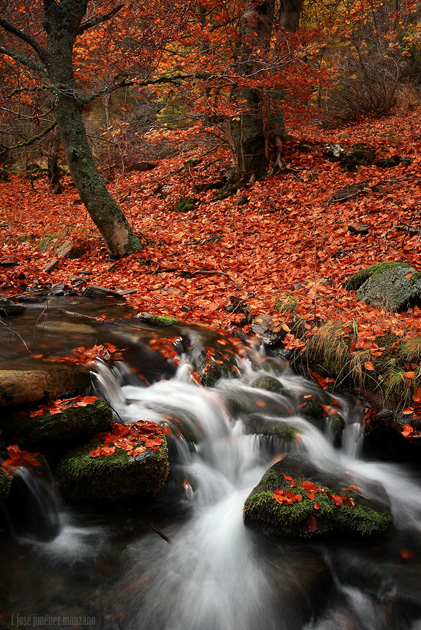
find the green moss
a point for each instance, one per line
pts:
(51, 434)
(185, 204)
(163, 320)
(5, 483)
(263, 512)
(355, 281)
(336, 422)
(236, 407)
(268, 383)
(311, 407)
(262, 425)
(271, 366)
(113, 477)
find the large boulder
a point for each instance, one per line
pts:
(52, 432)
(21, 387)
(115, 466)
(295, 499)
(393, 286)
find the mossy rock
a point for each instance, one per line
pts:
(357, 279)
(158, 320)
(311, 408)
(268, 383)
(272, 366)
(21, 387)
(394, 289)
(271, 427)
(236, 407)
(213, 358)
(5, 483)
(336, 422)
(51, 434)
(185, 204)
(359, 155)
(359, 518)
(85, 479)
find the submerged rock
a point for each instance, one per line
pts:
(117, 476)
(268, 383)
(52, 433)
(295, 499)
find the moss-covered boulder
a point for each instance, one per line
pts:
(52, 433)
(268, 383)
(294, 499)
(87, 476)
(5, 483)
(20, 387)
(355, 281)
(394, 289)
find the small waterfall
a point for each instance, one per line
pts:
(216, 574)
(33, 512)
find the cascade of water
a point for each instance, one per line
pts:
(214, 576)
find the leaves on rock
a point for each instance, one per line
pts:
(133, 438)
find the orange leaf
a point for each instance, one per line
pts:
(409, 375)
(407, 430)
(408, 411)
(369, 366)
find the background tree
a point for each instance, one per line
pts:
(62, 24)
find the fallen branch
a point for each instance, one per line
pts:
(163, 536)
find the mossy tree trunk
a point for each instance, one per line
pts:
(62, 24)
(260, 124)
(247, 129)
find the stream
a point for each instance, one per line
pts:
(186, 561)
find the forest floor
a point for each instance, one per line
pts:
(283, 236)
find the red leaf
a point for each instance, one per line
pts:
(312, 524)
(317, 506)
(407, 430)
(350, 502)
(337, 499)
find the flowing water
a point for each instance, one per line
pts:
(207, 571)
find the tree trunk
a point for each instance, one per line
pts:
(62, 22)
(290, 14)
(248, 131)
(54, 173)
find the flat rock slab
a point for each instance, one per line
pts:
(21, 387)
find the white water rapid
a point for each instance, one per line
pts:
(216, 574)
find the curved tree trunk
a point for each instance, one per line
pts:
(62, 23)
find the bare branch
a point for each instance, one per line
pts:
(42, 54)
(27, 143)
(99, 19)
(33, 65)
